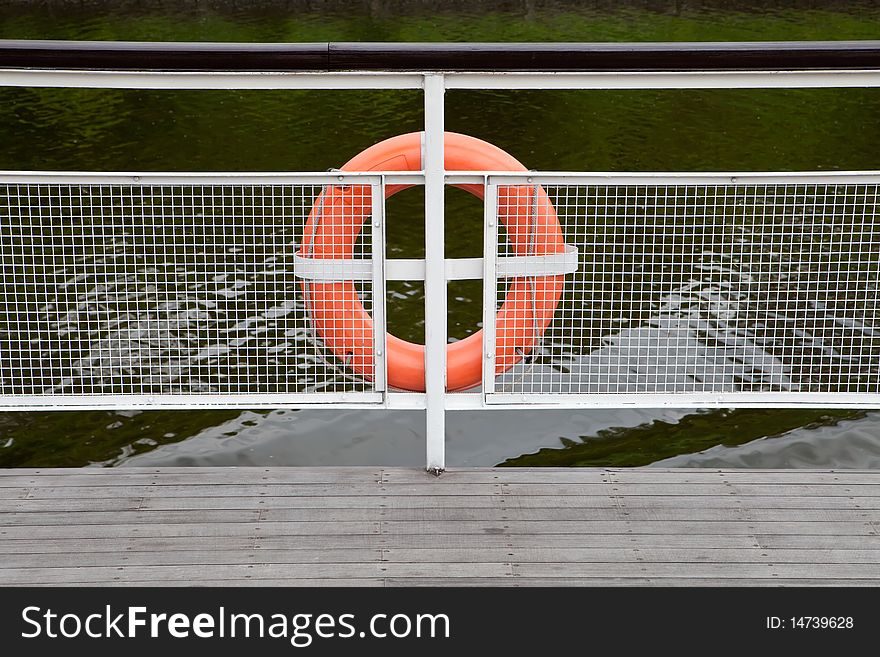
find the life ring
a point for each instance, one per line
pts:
(331, 232)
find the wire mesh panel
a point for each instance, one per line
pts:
(692, 288)
(172, 288)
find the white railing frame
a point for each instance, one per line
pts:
(435, 401)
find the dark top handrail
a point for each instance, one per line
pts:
(673, 56)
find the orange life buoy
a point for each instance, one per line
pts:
(331, 232)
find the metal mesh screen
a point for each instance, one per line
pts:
(163, 289)
(698, 288)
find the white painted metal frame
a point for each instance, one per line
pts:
(490, 263)
(208, 178)
(378, 294)
(710, 79)
(769, 399)
(457, 269)
(208, 79)
(681, 178)
(433, 163)
(375, 265)
(436, 270)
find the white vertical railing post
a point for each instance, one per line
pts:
(490, 256)
(380, 332)
(435, 274)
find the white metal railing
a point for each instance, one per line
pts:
(694, 289)
(667, 289)
(174, 289)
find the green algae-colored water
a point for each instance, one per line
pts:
(75, 129)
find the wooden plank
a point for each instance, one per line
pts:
(69, 506)
(737, 476)
(104, 545)
(640, 475)
(220, 556)
(238, 472)
(771, 541)
(47, 519)
(626, 581)
(183, 476)
(220, 480)
(197, 572)
(626, 527)
(695, 513)
(625, 554)
(278, 490)
(463, 490)
(442, 515)
(216, 529)
(232, 489)
(743, 490)
(410, 541)
(864, 571)
(100, 544)
(164, 503)
(737, 501)
(394, 528)
(521, 572)
(500, 475)
(374, 582)
(154, 501)
(210, 490)
(335, 475)
(391, 526)
(631, 540)
(20, 493)
(618, 554)
(325, 474)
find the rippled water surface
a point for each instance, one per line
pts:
(126, 130)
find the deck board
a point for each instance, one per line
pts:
(469, 527)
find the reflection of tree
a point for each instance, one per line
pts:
(74, 439)
(45, 128)
(648, 443)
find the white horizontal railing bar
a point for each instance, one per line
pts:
(706, 79)
(465, 178)
(198, 177)
(402, 401)
(457, 269)
(452, 178)
(688, 400)
(211, 177)
(209, 79)
(458, 401)
(407, 401)
(665, 80)
(670, 177)
(174, 401)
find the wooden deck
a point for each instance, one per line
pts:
(396, 526)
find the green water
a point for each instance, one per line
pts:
(71, 129)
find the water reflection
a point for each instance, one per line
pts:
(383, 437)
(116, 130)
(849, 444)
